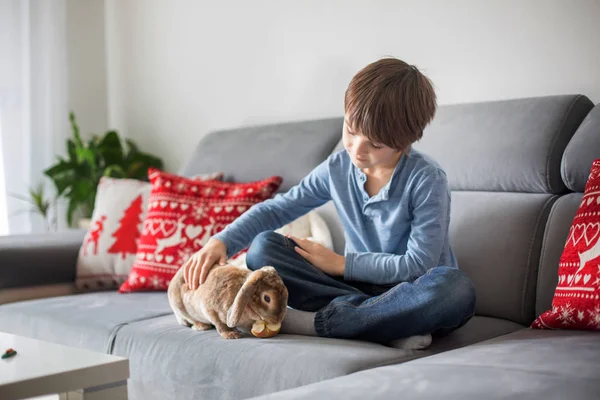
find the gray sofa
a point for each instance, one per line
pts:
(517, 169)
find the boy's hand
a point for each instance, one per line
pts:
(196, 269)
(320, 256)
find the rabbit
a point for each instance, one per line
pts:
(230, 298)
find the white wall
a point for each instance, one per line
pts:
(177, 68)
(86, 51)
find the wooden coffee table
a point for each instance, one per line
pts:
(43, 368)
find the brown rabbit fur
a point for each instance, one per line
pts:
(230, 298)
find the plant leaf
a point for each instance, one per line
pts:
(132, 147)
(110, 140)
(81, 196)
(115, 171)
(72, 150)
(149, 160)
(59, 168)
(138, 170)
(86, 156)
(111, 149)
(113, 157)
(82, 190)
(62, 175)
(140, 162)
(73, 204)
(41, 204)
(78, 143)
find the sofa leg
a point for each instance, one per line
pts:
(107, 392)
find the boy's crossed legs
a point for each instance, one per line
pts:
(438, 302)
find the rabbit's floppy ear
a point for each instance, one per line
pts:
(243, 296)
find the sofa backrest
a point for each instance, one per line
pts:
(503, 162)
(510, 177)
(290, 150)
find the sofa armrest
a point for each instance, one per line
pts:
(39, 259)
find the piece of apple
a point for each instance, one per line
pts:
(263, 330)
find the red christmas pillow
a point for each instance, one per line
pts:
(182, 215)
(110, 245)
(576, 303)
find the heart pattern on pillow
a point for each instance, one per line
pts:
(576, 303)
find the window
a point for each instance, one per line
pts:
(3, 197)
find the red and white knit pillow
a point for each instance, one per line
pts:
(182, 215)
(576, 303)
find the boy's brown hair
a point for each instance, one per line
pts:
(390, 102)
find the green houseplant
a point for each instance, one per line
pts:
(39, 204)
(77, 175)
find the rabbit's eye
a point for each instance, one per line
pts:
(267, 298)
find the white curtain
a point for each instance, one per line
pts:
(33, 103)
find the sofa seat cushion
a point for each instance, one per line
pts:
(476, 330)
(528, 364)
(169, 361)
(87, 321)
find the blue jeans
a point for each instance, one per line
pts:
(438, 302)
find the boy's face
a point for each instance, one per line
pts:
(365, 154)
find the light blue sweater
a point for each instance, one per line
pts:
(392, 237)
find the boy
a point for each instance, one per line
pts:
(399, 277)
